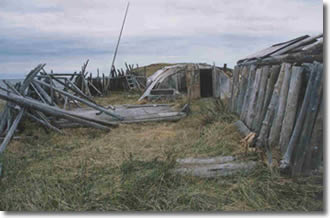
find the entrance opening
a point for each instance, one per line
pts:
(206, 83)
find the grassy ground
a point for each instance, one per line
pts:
(128, 169)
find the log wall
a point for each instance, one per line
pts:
(283, 105)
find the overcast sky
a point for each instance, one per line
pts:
(65, 33)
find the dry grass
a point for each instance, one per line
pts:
(150, 69)
(129, 169)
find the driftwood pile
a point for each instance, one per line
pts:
(45, 98)
(281, 101)
(101, 85)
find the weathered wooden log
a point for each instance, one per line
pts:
(214, 170)
(275, 131)
(261, 97)
(306, 134)
(286, 160)
(251, 110)
(91, 84)
(297, 58)
(26, 83)
(252, 73)
(242, 89)
(3, 120)
(12, 129)
(42, 92)
(274, 72)
(234, 87)
(43, 122)
(38, 93)
(314, 154)
(266, 124)
(291, 107)
(242, 128)
(213, 160)
(57, 112)
(295, 45)
(90, 104)
(73, 88)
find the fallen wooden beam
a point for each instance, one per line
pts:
(57, 112)
(90, 104)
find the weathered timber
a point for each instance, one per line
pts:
(12, 129)
(251, 110)
(246, 102)
(261, 97)
(242, 89)
(90, 104)
(275, 131)
(295, 45)
(43, 122)
(234, 87)
(286, 160)
(29, 78)
(291, 107)
(31, 103)
(74, 88)
(305, 137)
(266, 124)
(288, 58)
(274, 71)
(215, 170)
(42, 92)
(242, 128)
(314, 156)
(3, 120)
(213, 160)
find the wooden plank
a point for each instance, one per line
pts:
(26, 83)
(266, 124)
(3, 120)
(245, 107)
(12, 129)
(251, 110)
(286, 160)
(235, 87)
(306, 134)
(261, 98)
(314, 155)
(301, 57)
(90, 104)
(242, 89)
(31, 103)
(291, 107)
(295, 45)
(275, 131)
(43, 122)
(43, 93)
(274, 72)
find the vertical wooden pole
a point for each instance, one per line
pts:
(291, 107)
(261, 97)
(266, 124)
(286, 160)
(251, 110)
(242, 89)
(305, 138)
(246, 102)
(275, 131)
(274, 71)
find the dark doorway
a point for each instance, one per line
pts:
(206, 83)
